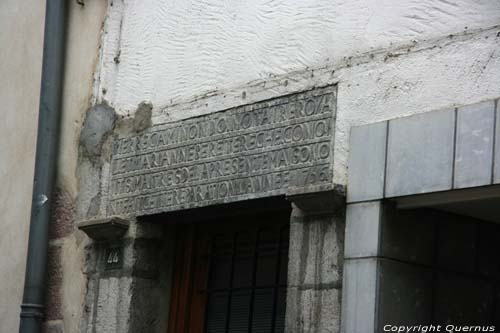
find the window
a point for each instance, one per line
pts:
(231, 276)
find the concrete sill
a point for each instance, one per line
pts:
(109, 228)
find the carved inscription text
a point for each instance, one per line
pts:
(258, 150)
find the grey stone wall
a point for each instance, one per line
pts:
(445, 276)
(449, 149)
(419, 267)
(315, 272)
(134, 297)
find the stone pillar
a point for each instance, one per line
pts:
(315, 267)
(360, 267)
(128, 277)
(387, 280)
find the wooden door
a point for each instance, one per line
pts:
(230, 275)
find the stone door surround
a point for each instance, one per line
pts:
(435, 157)
(436, 151)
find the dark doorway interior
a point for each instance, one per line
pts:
(438, 268)
(230, 274)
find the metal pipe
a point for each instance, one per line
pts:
(32, 307)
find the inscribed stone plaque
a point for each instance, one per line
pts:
(265, 149)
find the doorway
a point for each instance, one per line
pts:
(230, 274)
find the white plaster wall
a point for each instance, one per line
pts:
(444, 73)
(169, 51)
(21, 33)
(390, 58)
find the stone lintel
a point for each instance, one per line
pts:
(295, 131)
(425, 154)
(109, 228)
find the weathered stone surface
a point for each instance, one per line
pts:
(113, 305)
(474, 145)
(53, 326)
(420, 153)
(63, 215)
(107, 228)
(359, 296)
(314, 272)
(367, 162)
(363, 224)
(99, 122)
(259, 150)
(142, 117)
(53, 301)
(326, 202)
(312, 310)
(315, 249)
(133, 297)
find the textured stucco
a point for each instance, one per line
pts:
(448, 72)
(21, 26)
(169, 51)
(389, 58)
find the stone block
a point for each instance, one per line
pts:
(367, 162)
(474, 145)
(307, 118)
(420, 153)
(313, 310)
(145, 312)
(315, 251)
(89, 310)
(363, 221)
(113, 305)
(147, 255)
(405, 294)
(359, 295)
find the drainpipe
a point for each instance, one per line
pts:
(32, 307)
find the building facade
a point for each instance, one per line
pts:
(261, 166)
